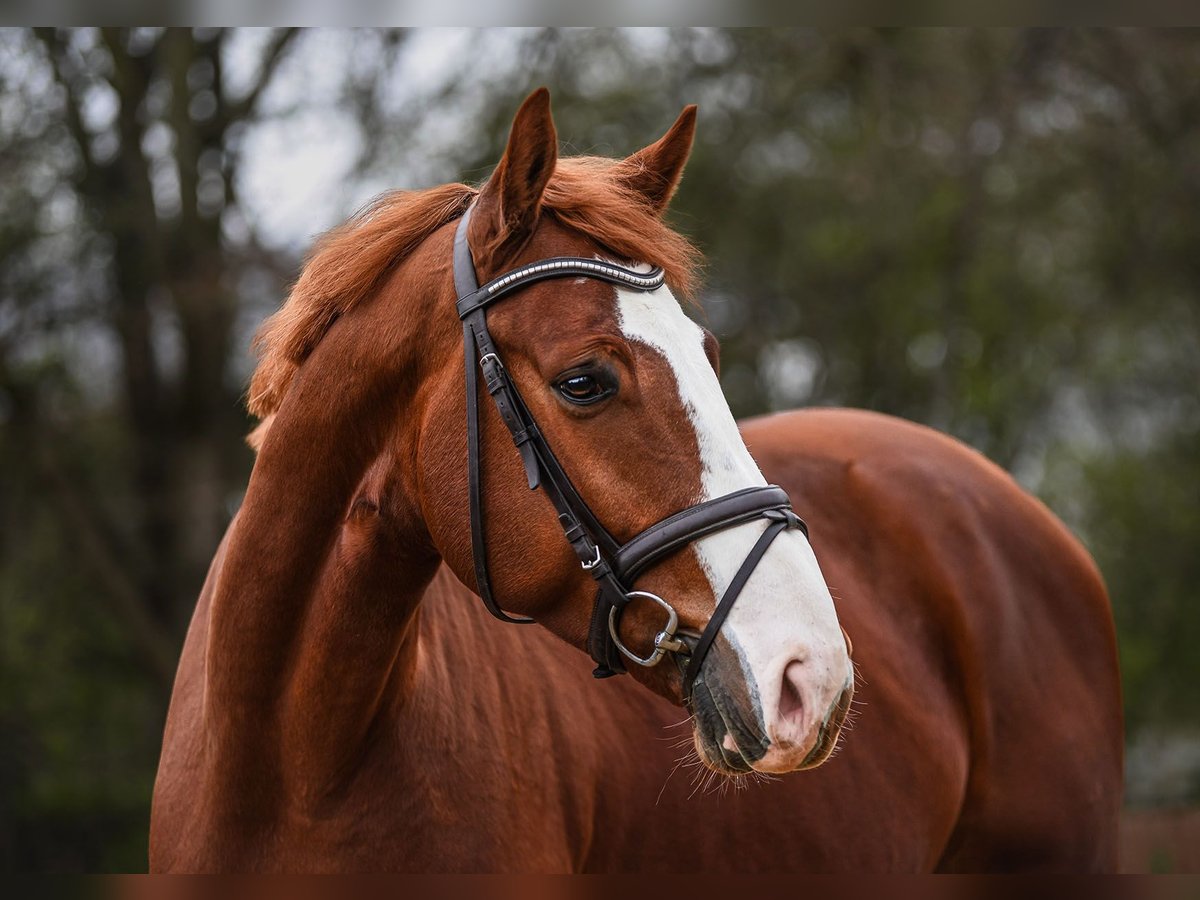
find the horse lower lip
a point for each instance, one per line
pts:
(741, 754)
(827, 735)
(819, 747)
(716, 755)
(733, 760)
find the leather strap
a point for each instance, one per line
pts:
(677, 531)
(700, 651)
(464, 282)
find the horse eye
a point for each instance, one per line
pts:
(584, 388)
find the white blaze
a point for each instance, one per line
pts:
(785, 611)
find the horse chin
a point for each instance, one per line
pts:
(725, 746)
(827, 741)
(720, 759)
(724, 741)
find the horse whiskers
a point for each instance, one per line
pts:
(702, 777)
(706, 780)
(686, 720)
(678, 763)
(719, 782)
(696, 781)
(676, 740)
(690, 759)
(858, 676)
(709, 780)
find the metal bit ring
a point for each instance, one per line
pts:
(664, 641)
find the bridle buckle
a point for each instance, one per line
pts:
(589, 564)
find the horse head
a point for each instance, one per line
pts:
(623, 386)
(613, 380)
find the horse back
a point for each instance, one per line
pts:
(929, 546)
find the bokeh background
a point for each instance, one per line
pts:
(994, 232)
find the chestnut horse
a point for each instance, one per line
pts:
(344, 702)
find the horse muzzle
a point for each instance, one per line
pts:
(739, 728)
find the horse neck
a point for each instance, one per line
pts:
(312, 637)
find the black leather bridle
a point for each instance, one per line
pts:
(614, 566)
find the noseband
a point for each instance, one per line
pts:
(611, 564)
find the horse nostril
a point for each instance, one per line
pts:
(791, 704)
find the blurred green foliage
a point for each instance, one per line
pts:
(993, 232)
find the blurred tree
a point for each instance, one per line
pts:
(155, 181)
(122, 251)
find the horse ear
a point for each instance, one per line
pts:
(654, 171)
(507, 207)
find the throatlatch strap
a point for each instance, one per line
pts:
(483, 584)
(465, 283)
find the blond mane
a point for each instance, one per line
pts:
(349, 263)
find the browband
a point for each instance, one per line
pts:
(558, 267)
